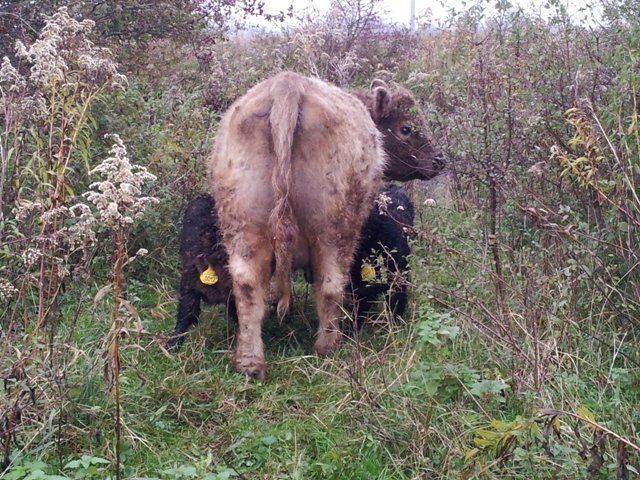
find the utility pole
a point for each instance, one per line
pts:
(413, 16)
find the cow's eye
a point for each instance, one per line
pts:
(405, 130)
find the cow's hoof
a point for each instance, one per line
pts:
(174, 342)
(253, 367)
(327, 342)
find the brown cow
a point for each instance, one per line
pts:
(294, 170)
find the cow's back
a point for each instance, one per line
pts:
(335, 167)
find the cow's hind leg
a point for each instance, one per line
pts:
(250, 273)
(328, 288)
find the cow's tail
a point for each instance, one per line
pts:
(284, 120)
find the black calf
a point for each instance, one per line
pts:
(381, 265)
(204, 266)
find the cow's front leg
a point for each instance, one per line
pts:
(250, 282)
(188, 309)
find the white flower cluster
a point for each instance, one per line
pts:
(81, 232)
(382, 201)
(14, 101)
(10, 79)
(25, 209)
(321, 47)
(7, 290)
(418, 78)
(30, 256)
(62, 55)
(73, 228)
(118, 197)
(63, 45)
(52, 215)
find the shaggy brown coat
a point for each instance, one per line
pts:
(294, 170)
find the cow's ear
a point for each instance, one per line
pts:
(403, 100)
(381, 103)
(377, 83)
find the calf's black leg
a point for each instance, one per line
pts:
(398, 302)
(188, 315)
(362, 307)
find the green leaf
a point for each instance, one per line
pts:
(470, 454)
(35, 465)
(36, 475)
(583, 411)
(448, 331)
(223, 473)
(488, 387)
(73, 464)
(182, 471)
(269, 440)
(15, 474)
(98, 461)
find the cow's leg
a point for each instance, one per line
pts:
(398, 301)
(364, 304)
(250, 273)
(328, 288)
(188, 313)
(232, 311)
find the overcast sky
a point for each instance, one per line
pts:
(397, 11)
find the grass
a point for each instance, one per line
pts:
(430, 397)
(314, 417)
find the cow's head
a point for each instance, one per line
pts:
(408, 146)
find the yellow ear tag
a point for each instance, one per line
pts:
(367, 272)
(209, 276)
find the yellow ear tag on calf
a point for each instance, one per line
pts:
(209, 276)
(367, 272)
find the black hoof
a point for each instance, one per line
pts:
(174, 342)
